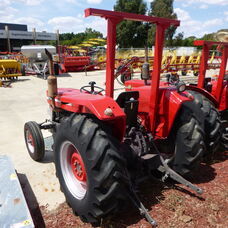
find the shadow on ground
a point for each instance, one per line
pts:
(64, 75)
(205, 172)
(31, 201)
(48, 157)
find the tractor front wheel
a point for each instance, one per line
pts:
(88, 166)
(34, 140)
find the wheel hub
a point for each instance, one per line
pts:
(73, 170)
(30, 141)
(78, 167)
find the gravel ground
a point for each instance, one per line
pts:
(170, 205)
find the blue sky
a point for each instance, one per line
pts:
(197, 16)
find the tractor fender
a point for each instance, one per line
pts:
(170, 102)
(205, 93)
(104, 108)
(223, 101)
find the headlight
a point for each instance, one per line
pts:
(181, 87)
(108, 112)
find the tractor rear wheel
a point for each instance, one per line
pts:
(224, 138)
(212, 124)
(189, 141)
(88, 166)
(34, 140)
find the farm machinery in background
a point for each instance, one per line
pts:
(14, 56)
(83, 57)
(69, 62)
(11, 67)
(104, 147)
(38, 60)
(171, 63)
(217, 87)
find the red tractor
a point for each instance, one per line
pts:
(216, 90)
(211, 95)
(104, 147)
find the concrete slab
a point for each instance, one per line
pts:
(26, 101)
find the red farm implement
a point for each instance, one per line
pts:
(68, 62)
(74, 63)
(99, 141)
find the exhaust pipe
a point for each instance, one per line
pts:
(51, 80)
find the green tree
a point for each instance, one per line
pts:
(74, 39)
(90, 33)
(162, 8)
(210, 36)
(131, 33)
(189, 41)
(178, 40)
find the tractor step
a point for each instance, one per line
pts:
(47, 124)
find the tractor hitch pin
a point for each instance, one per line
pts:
(172, 174)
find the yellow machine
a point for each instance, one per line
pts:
(9, 69)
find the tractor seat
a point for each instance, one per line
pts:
(129, 105)
(126, 96)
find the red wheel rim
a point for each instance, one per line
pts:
(78, 167)
(30, 141)
(73, 170)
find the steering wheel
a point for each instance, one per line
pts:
(92, 88)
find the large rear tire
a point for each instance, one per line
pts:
(224, 138)
(188, 136)
(88, 165)
(212, 124)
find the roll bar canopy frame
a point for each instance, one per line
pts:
(113, 18)
(204, 64)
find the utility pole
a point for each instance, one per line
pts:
(34, 36)
(57, 41)
(8, 38)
